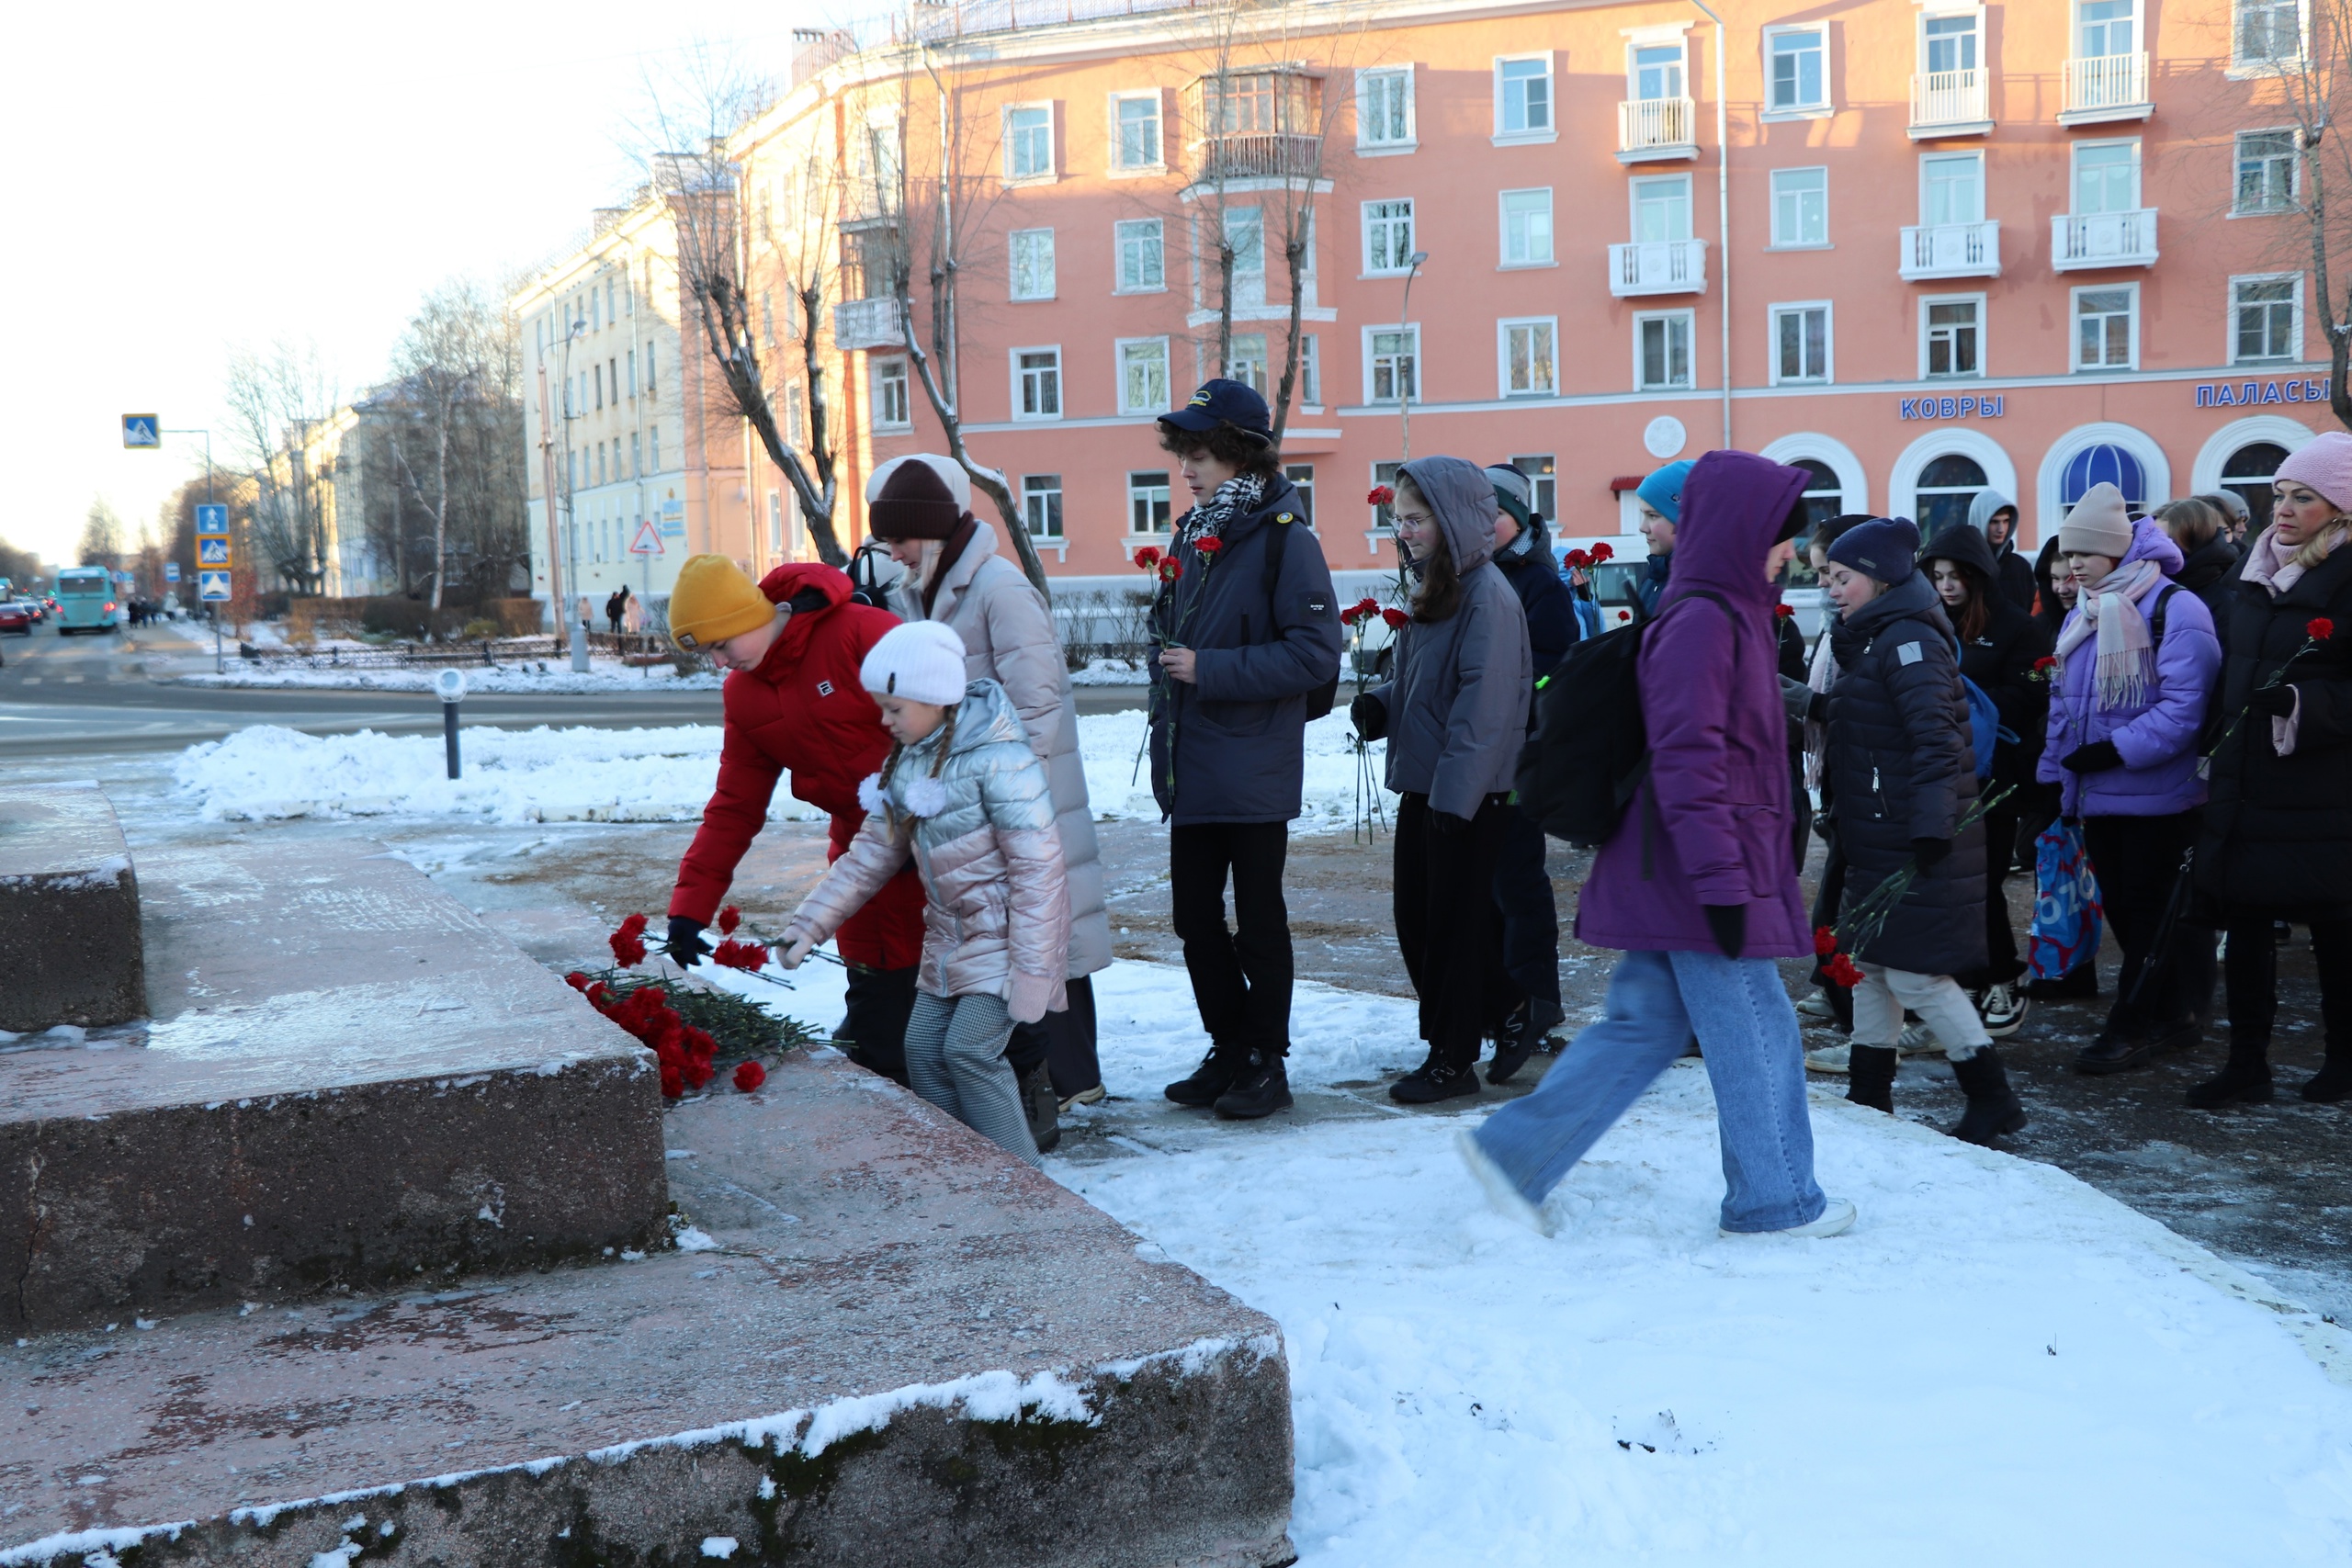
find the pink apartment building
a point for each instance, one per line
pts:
(1960, 245)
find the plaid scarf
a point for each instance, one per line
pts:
(1237, 497)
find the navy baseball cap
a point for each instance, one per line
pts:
(1224, 403)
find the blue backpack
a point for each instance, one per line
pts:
(1985, 725)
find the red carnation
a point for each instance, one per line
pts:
(1381, 496)
(2318, 628)
(734, 954)
(1147, 557)
(1395, 619)
(750, 1075)
(1579, 559)
(1624, 614)
(1841, 972)
(673, 1081)
(1601, 552)
(1785, 611)
(1208, 547)
(627, 949)
(728, 919)
(1825, 941)
(1170, 569)
(2046, 663)
(576, 980)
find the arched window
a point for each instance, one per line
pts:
(1946, 487)
(2103, 464)
(1824, 494)
(2249, 472)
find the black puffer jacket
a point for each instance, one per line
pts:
(2210, 573)
(2001, 660)
(1900, 767)
(2277, 831)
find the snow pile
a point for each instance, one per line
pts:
(605, 675)
(511, 775)
(1111, 672)
(622, 776)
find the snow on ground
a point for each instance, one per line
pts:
(556, 677)
(1998, 1364)
(622, 775)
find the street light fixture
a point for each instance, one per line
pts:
(1404, 383)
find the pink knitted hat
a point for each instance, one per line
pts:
(2325, 465)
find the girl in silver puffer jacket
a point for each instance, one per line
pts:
(965, 796)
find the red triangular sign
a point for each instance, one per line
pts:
(647, 541)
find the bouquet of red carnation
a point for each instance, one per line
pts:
(2045, 669)
(1837, 966)
(1360, 612)
(629, 943)
(1601, 552)
(1579, 562)
(2316, 630)
(1380, 495)
(749, 956)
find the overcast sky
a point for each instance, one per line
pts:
(190, 179)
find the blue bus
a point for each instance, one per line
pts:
(86, 600)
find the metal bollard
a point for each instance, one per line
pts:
(450, 687)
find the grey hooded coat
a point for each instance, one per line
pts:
(1457, 708)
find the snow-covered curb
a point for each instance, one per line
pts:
(605, 675)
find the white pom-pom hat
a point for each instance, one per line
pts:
(922, 660)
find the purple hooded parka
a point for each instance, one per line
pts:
(1712, 823)
(2157, 735)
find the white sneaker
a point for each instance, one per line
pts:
(1507, 1199)
(2002, 1010)
(1918, 1040)
(1835, 1220)
(1830, 1059)
(1817, 1006)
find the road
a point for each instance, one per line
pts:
(83, 695)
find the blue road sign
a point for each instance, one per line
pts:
(212, 586)
(211, 550)
(143, 430)
(212, 517)
(171, 571)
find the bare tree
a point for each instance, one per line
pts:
(102, 537)
(273, 400)
(457, 374)
(2313, 72)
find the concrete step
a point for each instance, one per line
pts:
(345, 1079)
(885, 1342)
(70, 947)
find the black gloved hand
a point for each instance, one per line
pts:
(2275, 701)
(1727, 923)
(1446, 825)
(1817, 709)
(1369, 715)
(2095, 758)
(686, 947)
(1927, 852)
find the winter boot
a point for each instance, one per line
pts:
(1869, 1076)
(1042, 1106)
(1212, 1078)
(1440, 1077)
(1524, 1031)
(2333, 1080)
(1993, 1107)
(1260, 1088)
(2246, 1076)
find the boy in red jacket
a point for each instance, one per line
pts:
(792, 645)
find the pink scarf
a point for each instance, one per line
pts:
(2127, 659)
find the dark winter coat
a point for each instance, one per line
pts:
(2011, 572)
(1527, 564)
(1711, 821)
(1231, 747)
(2210, 573)
(803, 710)
(2277, 831)
(2001, 660)
(1458, 708)
(1656, 571)
(1901, 768)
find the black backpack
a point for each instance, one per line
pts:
(1318, 698)
(1590, 750)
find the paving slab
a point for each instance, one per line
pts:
(345, 1078)
(881, 1340)
(69, 910)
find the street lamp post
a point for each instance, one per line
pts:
(1405, 382)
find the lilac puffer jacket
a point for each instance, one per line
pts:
(2156, 735)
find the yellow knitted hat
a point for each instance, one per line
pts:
(713, 602)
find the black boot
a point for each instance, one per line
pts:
(1043, 1108)
(1522, 1033)
(1260, 1088)
(2118, 1049)
(1211, 1078)
(1870, 1075)
(1441, 1078)
(1993, 1107)
(2246, 1076)
(2332, 1081)
(2083, 982)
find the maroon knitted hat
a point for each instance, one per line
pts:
(912, 498)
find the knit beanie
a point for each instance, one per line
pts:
(1512, 492)
(714, 600)
(921, 660)
(2101, 525)
(2324, 463)
(922, 496)
(1884, 548)
(1663, 490)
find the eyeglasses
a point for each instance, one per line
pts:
(1413, 520)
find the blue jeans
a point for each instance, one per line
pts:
(1755, 1059)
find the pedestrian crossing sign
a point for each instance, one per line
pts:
(212, 549)
(213, 587)
(142, 431)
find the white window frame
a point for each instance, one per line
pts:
(2073, 328)
(1060, 493)
(1772, 314)
(1013, 264)
(1119, 347)
(1169, 476)
(2294, 171)
(1052, 171)
(1364, 233)
(878, 372)
(1112, 162)
(1368, 148)
(1690, 320)
(1311, 372)
(1061, 391)
(2294, 330)
(1983, 194)
(1772, 187)
(2138, 189)
(1118, 257)
(1419, 392)
(1502, 225)
(1820, 110)
(1933, 12)
(1551, 131)
(1633, 188)
(2241, 67)
(1503, 389)
(1984, 334)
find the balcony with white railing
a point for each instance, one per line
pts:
(1951, 249)
(867, 323)
(2101, 87)
(1657, 267)
(1948, 103)
(2081, 241)
(1651, 129)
